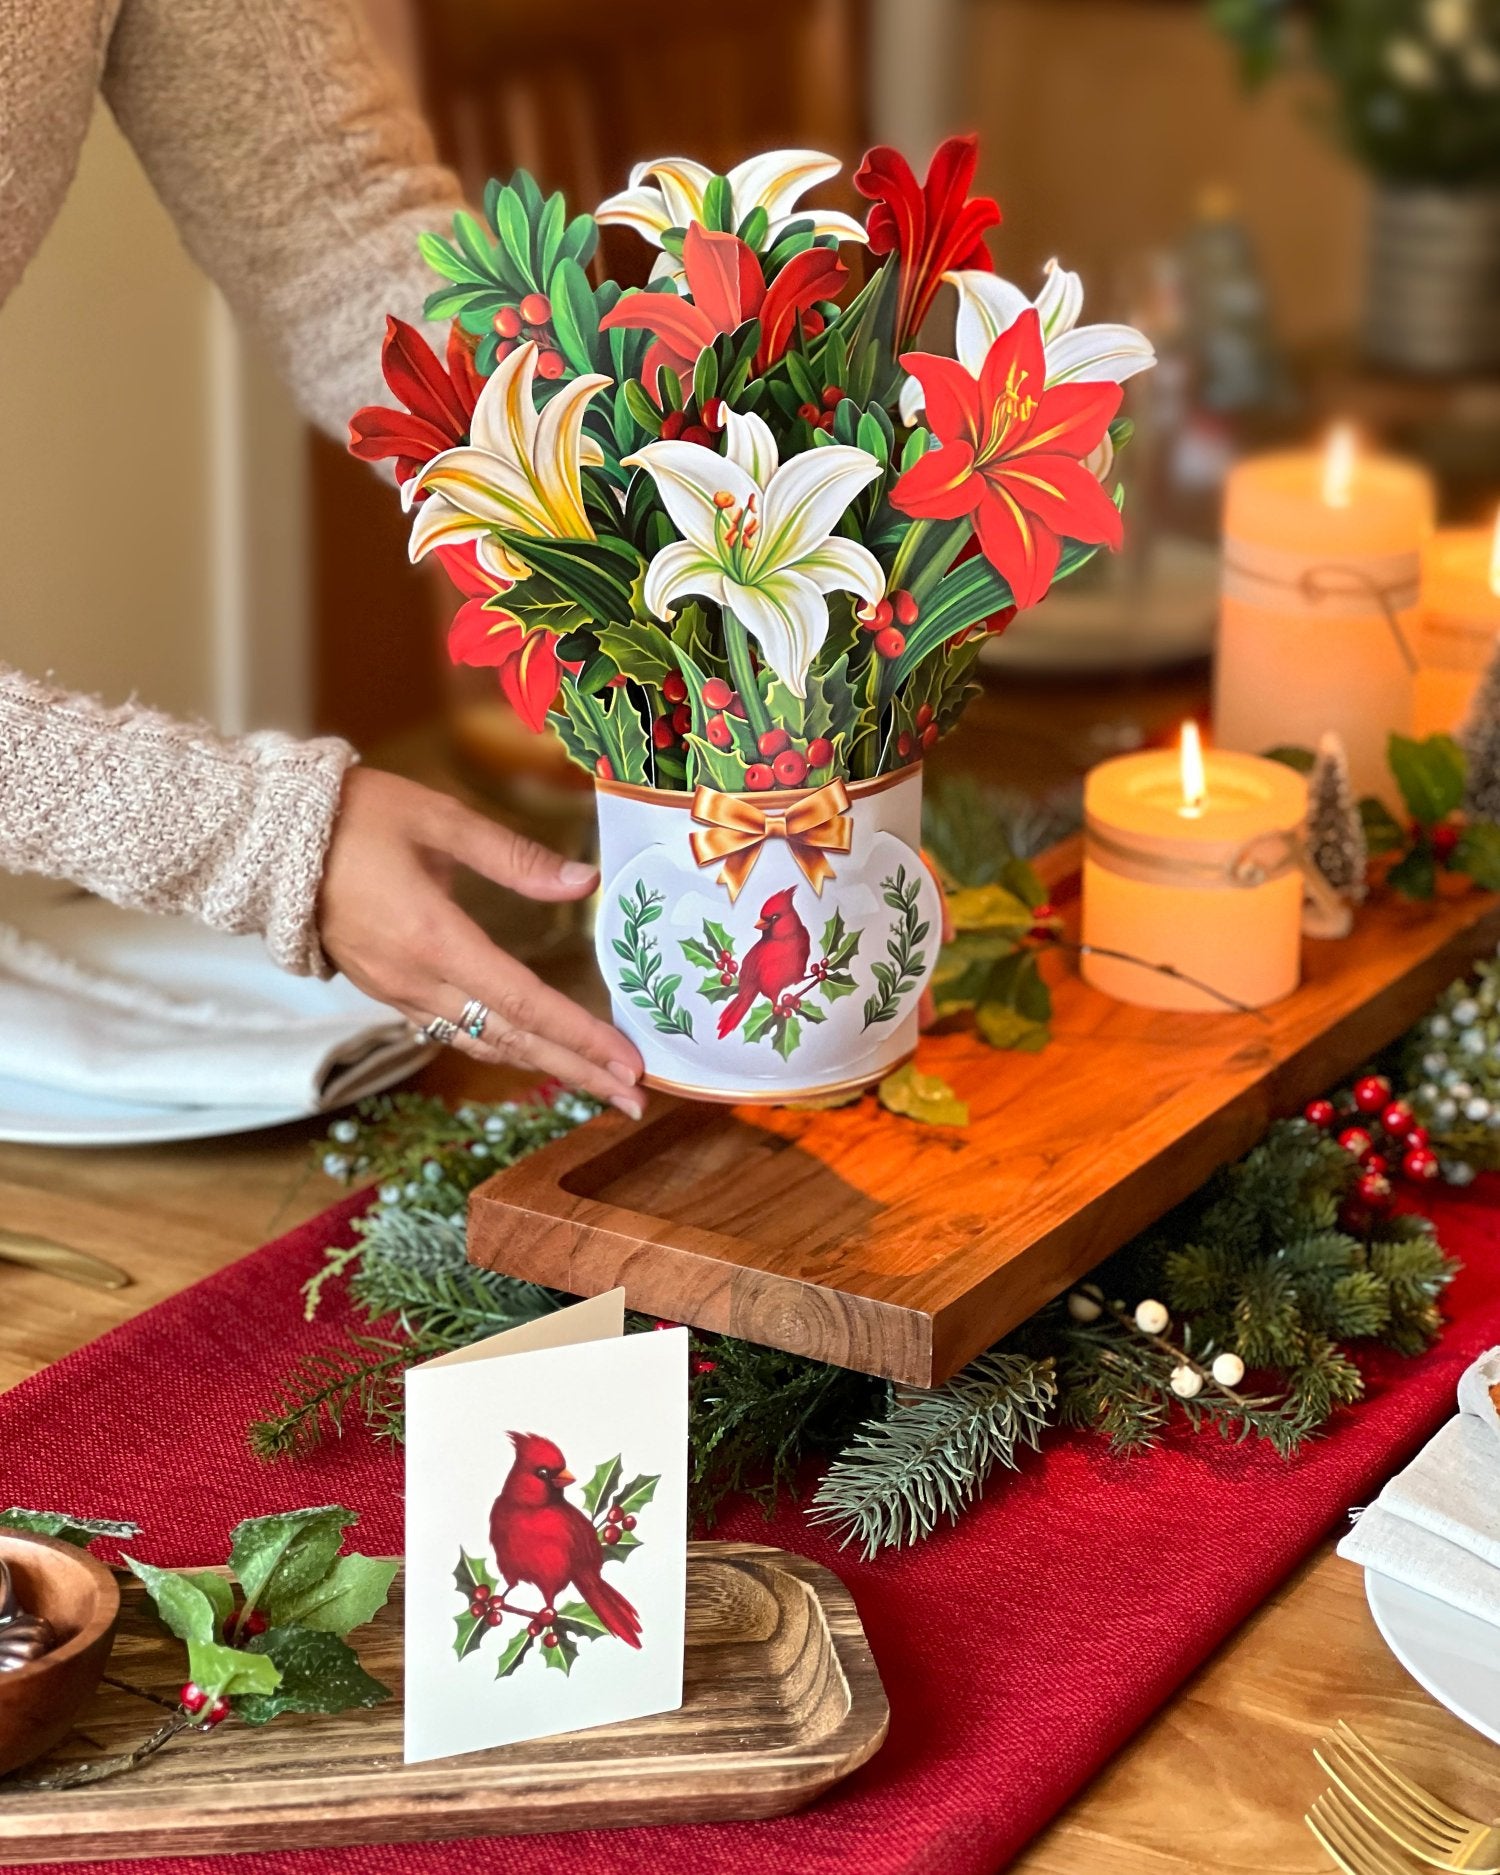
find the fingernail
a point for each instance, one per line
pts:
(575, 872)
(623, 1073)
(631, 1105)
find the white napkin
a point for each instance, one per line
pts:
(1436, 1525)
(118, 1005)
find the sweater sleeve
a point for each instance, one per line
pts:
(296, 169)
(169, 817)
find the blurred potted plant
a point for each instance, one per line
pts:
(1416, 96)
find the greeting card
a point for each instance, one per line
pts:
(546, 1531)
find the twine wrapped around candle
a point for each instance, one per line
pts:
(1272, 577)
(1231, 865)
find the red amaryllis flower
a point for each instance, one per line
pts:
(727, 287)
(439, 404)
(1011, 457)
(525, 657)
(934, 227)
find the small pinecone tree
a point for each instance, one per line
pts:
(1335, 833)
(1481, 745)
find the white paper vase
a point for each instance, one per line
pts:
(713, 901)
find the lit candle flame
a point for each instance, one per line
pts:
(1194, 786)
(1338, 466)
(1495, 558)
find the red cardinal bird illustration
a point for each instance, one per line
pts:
(773, 963)
(539, 1537)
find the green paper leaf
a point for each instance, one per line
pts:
(573, 316)
(638, 650)
(1416, 875)
(318, 1673)
(280, 1556)
(1005, 1027)
(598, 1488)
(989, 908)
(1429, 774)
(924, 1097)
(231, 1670)
(353, 1592)
(79, 1531)
(1478, 854)
(1383, 832)
(718, 206)
(190, 1609)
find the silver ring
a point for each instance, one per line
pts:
(473, 1019)
(439, 1030)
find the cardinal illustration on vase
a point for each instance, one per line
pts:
(545, 1546)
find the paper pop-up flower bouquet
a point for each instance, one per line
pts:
(739, 543)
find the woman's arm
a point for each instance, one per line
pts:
(296, 169)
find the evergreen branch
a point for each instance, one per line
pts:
(331, 1385)
(901, 973)
(642, 980)
(929, 1456)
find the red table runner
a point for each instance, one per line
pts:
(1019, 1649)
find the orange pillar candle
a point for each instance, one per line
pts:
(1193, 860)
(1460, 623)
(1317, 629)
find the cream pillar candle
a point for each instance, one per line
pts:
(1460, 623)
(1322, 563)
(1193, 860)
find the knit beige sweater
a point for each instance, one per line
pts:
(299, 177)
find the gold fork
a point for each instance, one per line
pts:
(1422, 1824)
(1349, 1840)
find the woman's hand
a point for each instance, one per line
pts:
(387, 920)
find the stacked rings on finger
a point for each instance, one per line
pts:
(473, 1019)
(439, 1030)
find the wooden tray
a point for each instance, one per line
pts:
(783, 1700)
(877, 1244)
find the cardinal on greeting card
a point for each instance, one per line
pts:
(774, 963)
(540, 1538)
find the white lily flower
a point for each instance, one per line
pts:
(1076, 354)
(773, 181)
(758, 537)
(518, 471)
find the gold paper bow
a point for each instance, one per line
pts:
(738, 827)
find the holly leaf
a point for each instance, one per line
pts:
(1416, 875)
(353, 1592)
(285, 1554)
(192, 1605)
(513, 1653)
(758, 1021)
(698, 953)
(718, 937)
(713, 991)
(79, 1531)
(636, 1495)
(836, 984)
(318, 1672)
(639, 650)
(1383, 832)
(581, 1619)
(231, 1670)
(924, 1097)
(788, 1037)
(1429, 774)
(1478, 854)
(598, 1488)
(469, 1634)
(563, 1654)
(1291, 756)
(472, 1573)
(621, 1547)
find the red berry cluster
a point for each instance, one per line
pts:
(889, 620)
(531, 319)
(677, 426)
(615, 1521)
(194, 1701)
(822, 419)
(1389, 1139)
(484, 1606)
(923, 737)
(702, 1366)
(1443, 838)
(541, 1623)
(785, 765)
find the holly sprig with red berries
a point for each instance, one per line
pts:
(1439, 838)
(613, 1505)
(1381, 1134)
(265, 1636)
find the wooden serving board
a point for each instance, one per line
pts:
(901, 1250)
(782, 1700)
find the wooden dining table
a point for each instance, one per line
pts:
(1218, 1780)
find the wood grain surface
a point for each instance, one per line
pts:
(859, 1238)
(782, 1699)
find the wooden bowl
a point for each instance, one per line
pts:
(78, 1595)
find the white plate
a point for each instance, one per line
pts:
(1450, 1654)
(46, 1116)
